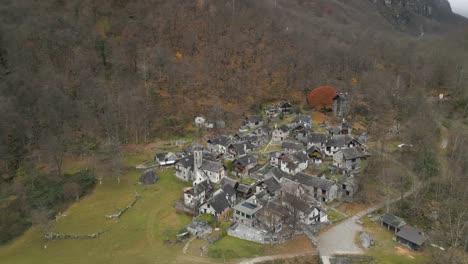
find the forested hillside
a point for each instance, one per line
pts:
(81, 77)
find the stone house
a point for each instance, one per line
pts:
(197, 195)
(270, 185)
(317, 139)
(240, 148)
(280, 133)
(218, 144)
(341, 104)
(217, 205)
(263, 131)
(319, 188)
(301, 131)
(254, 121)
(293, 163)
(245, 213)
(315, 155)
(243, 164)
(285, 107)
(165, 159)
(214, 170)
(292, 147)
(339, 142)
(349, 159)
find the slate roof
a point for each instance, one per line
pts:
(220, 140)
(271, 184)
(192, 147)
(317, 138)
(313, 181)
(338, 141)
(254, 119)
(283, 128)
(243, 188)
(352, 153)
(219, 202)
(246, 160)
(292, 145)
(186, 161)
(303, 119)
(229, 186)
(313, 149)
(247, 207)
(393, 220)
(201, 187)
(333, 130)
(412, 234)
(300, 156)
(239, 147)
(277, 173)
(264, 129)
(148, 177)
(212, 166)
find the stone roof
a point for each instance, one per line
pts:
(148, 177)
(292, 145)
(186, 161)
(412, 234)
(212, 166)
(201, 187)
(314, 149)
(352, 153)
(303, 119)
(300, 156)
(339, 141)
(254, 119)
(333, 130)
(271, 184)
(243, 188)
(277, 173)
(341, 96)
(283, 128)
(317, 138)
(219, 201)
(220, 140)
(246, 160)
(393, 220)
(239, 147)
(313, 181)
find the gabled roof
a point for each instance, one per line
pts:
(166, 156)
(239, 147)
(292, 145)
(303, 119)
(352, 153)
(219, 202)
(246, 160)
(271, 184)
(212, 166)
(220, 140)
(412, 234)
(317, 138)
(300, 156)
(186, 161)
(201, 187)
(393, 220)
(243, 188)
(338, 141)
(313, 181)
(314, 149)
(229, 186)
(283, 128)
(333, 130)
(254, 118)
(277, 173)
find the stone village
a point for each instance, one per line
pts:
(274, 179)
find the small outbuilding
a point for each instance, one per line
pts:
(392, 222)
(411, 237)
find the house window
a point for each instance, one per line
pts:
(343, 187)
(347, 193)
(323, 199)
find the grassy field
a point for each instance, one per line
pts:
(332, 215)
(387, 251)
(137, 237)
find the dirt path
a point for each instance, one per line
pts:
(267, 258)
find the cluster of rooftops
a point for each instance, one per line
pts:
(219, 168)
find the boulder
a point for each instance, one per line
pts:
(366, 239)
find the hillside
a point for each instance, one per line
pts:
(82, 77)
